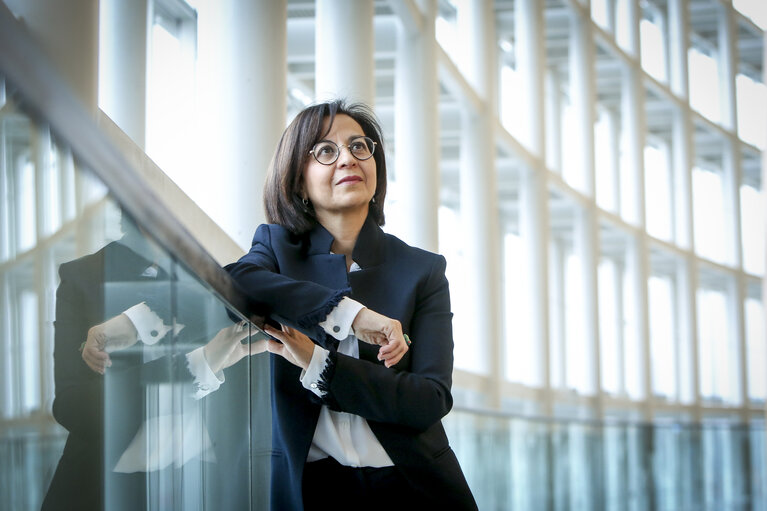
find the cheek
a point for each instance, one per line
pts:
(312, 181)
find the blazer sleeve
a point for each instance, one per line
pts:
(296, 303)
(418, 397)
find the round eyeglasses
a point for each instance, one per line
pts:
(327, 152)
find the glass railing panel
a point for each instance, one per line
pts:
(179, 417)
(527, 463)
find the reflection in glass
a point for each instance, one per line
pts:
(155, 427)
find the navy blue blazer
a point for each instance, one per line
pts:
(295, 280)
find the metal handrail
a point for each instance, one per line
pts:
(33, 83)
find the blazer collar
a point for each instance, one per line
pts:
(368, 251)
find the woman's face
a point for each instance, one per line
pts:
(346, 185)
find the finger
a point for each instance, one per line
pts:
(95, 355)
(286, 335)
(259, 347)
(275, 347)
(277, 334)
(96, 360)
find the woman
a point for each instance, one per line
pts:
(354, 424)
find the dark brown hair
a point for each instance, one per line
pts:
(282, 190)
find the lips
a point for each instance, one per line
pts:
(349, 179)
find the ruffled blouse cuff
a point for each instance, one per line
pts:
(205, 380)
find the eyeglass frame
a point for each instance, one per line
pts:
(338, 152)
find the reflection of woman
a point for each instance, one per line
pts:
(354, 423)
(104, 457)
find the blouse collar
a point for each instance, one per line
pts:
(368, 251)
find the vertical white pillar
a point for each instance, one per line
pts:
(242, 76)
(531, 65)
(764, 211)
(416, 132)
(736, 298)
(633, 133)
(68, 33)
(689, 361)
(586, 234)
(583, 95)
(123, 47)
(612, 150)
(479, 200)
(558, 323)
(727, 60)
(619, 319)
(553, 123)
(678, 35)
(344, 44)
(638, 254)
(586, 247)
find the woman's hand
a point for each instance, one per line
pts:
(226, 348)
(374, 328)
(114, 334)
(296, 348)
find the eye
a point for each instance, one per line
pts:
(358, 145)
(324, 149)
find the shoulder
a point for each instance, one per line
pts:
(274, 234)
(90, 263)
(400, 252)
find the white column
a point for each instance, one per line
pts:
(242, 76)
(553, 123)
(633, 133)
(731, 160)
(344, 46)
(530, 64)
(619, 317)
(689, 361)
(679, 34)
(736, 297)
(558, 323)
(68, 34)
(727, 60)
(637, 257)
(583, 95)
(586, 236)
(534, 207)
(637, 268)
(612, 151)
(123, 47)
(479, 191)
(416, 130)
(587, 249)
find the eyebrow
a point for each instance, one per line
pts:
(349, 139)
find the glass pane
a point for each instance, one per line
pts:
(653, 53)
(752, 110)
(466, 355)
(717, 350)
(658, 205)
(125, 380)
(756, 349)
(662, 339)
(709, 214)
(752, 229)
(704, 84)
(609, 327)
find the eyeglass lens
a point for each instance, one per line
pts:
(326, 152)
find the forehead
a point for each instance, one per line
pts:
(343, 125)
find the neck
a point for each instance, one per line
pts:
(345, 229)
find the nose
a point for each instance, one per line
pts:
(345, 157)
